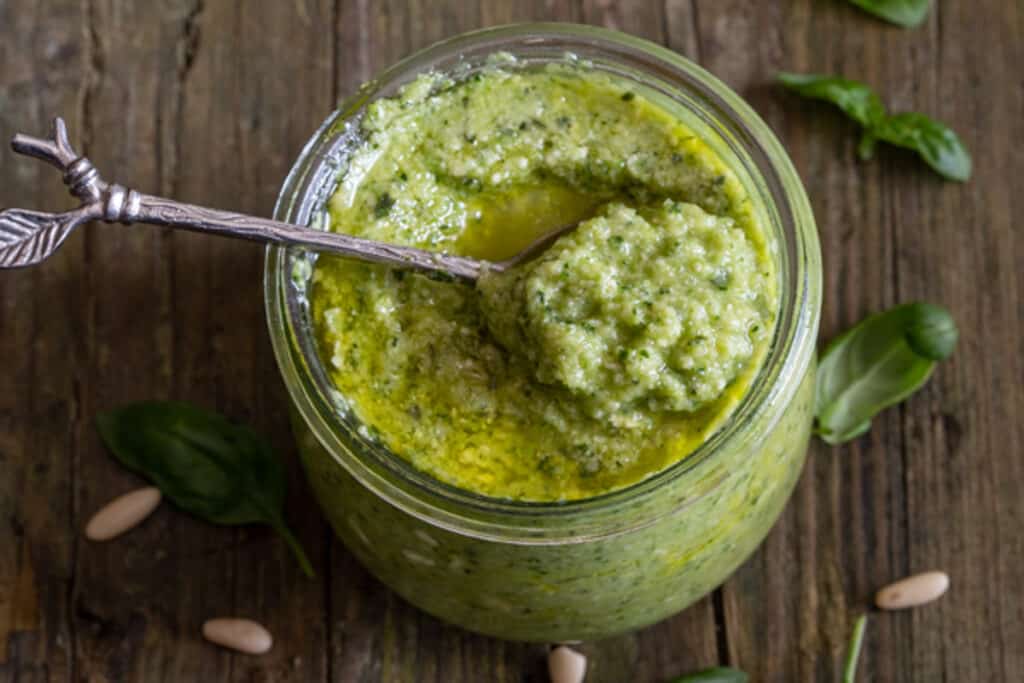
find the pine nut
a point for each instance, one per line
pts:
(244, 635)
(566, 666)
(913, 591)
(122, 514)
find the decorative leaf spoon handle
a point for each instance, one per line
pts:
(28, 237)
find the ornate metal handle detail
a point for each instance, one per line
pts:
(28, 237)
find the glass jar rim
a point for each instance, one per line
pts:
(395, 480)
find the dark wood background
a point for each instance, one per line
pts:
(211, 101)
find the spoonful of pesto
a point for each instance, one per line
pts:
(638, 311)
(29, 237)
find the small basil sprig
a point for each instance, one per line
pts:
(718, 674)
(906, 13)
(938, 145)
(213, 468)
(853, 652)
(883, 360)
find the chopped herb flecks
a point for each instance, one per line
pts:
(383, 206)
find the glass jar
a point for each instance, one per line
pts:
(590, 568)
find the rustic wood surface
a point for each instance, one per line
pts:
(210, 101)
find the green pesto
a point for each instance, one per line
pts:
(637, 312)
(544, 407)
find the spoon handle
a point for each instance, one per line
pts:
(173, 214)
(28, 237)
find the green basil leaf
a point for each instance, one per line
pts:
(206, 465)
(853, 652)
(935, 143)
(856, 99)
(906, 13)
(883, 360)
(718, 674)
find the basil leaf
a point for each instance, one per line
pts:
(906, 13)
(935, 143)
(856, 99)
(718, 674)
(206, 465)
(883, 360)
(853, 653)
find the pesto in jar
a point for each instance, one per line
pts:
(636, 312)
(613, 355)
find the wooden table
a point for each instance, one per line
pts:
(211, 101)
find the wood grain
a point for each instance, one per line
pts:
(41, 59)
(209, 101)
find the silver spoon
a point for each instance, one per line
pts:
(28, 237)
